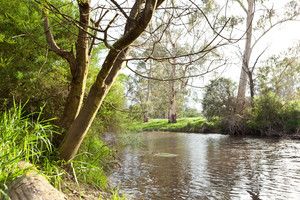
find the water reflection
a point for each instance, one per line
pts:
(210, 166)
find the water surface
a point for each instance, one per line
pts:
(209, 166)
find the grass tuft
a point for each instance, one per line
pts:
(24, 137)
(27, 138)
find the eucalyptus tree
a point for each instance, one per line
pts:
(184, 47)
(280, 75)
(266, 17)
(100, 27)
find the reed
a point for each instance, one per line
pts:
(28, 138)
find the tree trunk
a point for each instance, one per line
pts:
(172, 97)
(251, 84)
(74, 100)
(80, 70)
(71, 142)
(79, 65)
(241, 97)
(107, 75)
(32, 186)
(172, 110)
(146, 113)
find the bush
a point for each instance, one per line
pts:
(271, 116)
(218, 99)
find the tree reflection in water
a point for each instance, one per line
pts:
(210, 166)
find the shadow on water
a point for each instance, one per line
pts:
(210, 166)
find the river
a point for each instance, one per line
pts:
(163, 166)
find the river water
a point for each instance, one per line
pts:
(209, 166)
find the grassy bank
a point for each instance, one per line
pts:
(28, 138)
(195, 125)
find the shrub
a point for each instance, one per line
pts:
(218, 99)
(272, 116)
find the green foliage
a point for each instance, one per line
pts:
(92, 160)
(28, 138)
(190, 112)
(183, 125)
(218, 98)
(273, 116)
(280, 74)
(27, 69)
(116, 196)
(25, 138)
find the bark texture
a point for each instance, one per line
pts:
(80, 70)
(241, 97)
(107, 75)
(33, 186)
(79, 63)
(172, 97)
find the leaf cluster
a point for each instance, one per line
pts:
(219, 98)
(273, 116)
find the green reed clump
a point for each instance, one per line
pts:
(24, 137)
(93, 161)
(28, 138)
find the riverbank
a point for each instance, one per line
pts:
(234, 125)
(28, 139)
(188, 125)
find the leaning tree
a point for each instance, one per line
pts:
(116, 25)
(95, 24)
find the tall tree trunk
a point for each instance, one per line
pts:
(146, 113)
(80, 70)
(79, 65)
(71, 142)
(251, 85)
(241, 97)
(107, 75)
(172, 97)
(172, 109)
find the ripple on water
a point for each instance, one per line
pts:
(210, 166)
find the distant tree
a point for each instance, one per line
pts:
(280, 75)
(260, 19)
(218, 98)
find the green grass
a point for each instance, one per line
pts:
(182, 125)
(93, 161)
(27, 137)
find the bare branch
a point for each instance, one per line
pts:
(53, 46)
(178, 78)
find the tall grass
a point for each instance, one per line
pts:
(27, 138)
(92, 161)
(24, 137)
